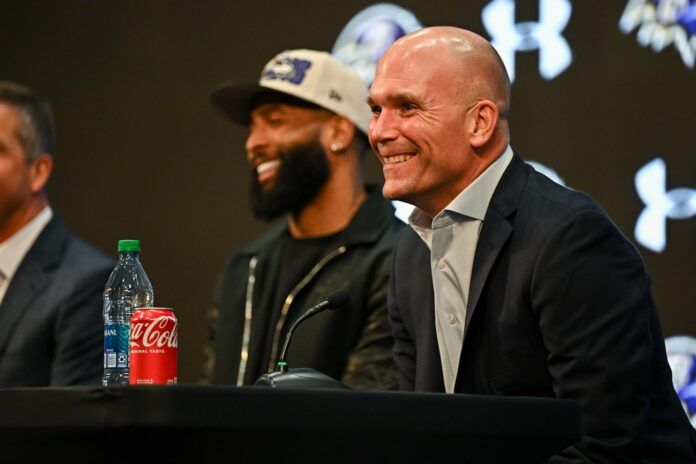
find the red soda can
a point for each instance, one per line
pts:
(154, 347)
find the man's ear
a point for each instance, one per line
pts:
(40, 171)
(484, 123)
(340, 133)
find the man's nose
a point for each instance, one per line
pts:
(255, 141)
(383, 128)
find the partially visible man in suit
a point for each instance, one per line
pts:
(507, 283)
(51, 330)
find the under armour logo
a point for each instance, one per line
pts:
(679, 203)
(509, 37)
(547, 171)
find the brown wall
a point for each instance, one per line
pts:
(141, 153)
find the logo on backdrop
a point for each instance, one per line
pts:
(661, 23)
(287, 69)
(660, 204)
(681, 354)
(547, 171)
(369, 33)
(509, 37)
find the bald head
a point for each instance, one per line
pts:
(473, 67)
(440, 101)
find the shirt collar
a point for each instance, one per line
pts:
(473, 201)
(13, 250)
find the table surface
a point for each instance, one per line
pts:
(216, 423)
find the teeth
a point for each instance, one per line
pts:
(396, 159)
(267, 166)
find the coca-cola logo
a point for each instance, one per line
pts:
(156, 333)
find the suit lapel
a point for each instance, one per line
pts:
(31, 277)
(496, 230)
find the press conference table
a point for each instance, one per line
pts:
(202, 424)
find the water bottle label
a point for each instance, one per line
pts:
(123, 345)
(111, 345)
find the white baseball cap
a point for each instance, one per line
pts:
(310, 75)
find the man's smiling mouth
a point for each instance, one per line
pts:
(396, 159)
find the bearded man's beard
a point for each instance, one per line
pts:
(302, 173)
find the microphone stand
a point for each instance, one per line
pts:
(304, 377)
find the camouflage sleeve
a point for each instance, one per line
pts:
(370, 364)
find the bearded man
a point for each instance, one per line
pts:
(308, 121)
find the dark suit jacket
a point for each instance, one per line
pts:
(559, 306)
(51, 326)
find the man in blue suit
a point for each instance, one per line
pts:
(51, 330)
(507, 283)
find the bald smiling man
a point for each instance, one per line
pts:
(507, 283)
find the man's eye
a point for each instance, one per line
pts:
(376, 110)
(275, 121)
(408, 107)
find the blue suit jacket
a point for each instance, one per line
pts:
(559, 306)
(51, 327)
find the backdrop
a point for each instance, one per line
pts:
(142, 154)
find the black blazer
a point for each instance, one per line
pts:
(559, 306)
(51, 327)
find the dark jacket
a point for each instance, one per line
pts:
(352, 344)
(51, 327)
(559, 306)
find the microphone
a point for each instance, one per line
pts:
(336, 300)
(304, 377)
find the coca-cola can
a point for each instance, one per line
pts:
(153, 347)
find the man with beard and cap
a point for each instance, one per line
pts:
(507, 283)
(308, 121)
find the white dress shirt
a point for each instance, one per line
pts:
(452, 236)
(13, 250)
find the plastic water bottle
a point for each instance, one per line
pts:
(128, 288)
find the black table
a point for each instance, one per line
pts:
(201, 424)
